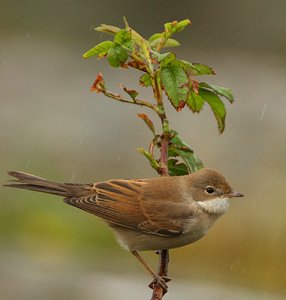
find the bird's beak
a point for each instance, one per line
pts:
(234, 194)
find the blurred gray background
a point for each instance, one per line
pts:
(53, 126)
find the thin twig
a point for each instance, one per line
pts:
(118, 97)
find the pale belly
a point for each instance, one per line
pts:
(141, 241)
(135, 240)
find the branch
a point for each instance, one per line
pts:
(164, 154)
(158, 291)
(118, 97)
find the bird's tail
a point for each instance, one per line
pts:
(30, 182)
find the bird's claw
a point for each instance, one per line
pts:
(162, 281)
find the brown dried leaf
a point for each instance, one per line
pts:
(99, 84)
(148, 122)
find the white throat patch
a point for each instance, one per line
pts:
(217, 206)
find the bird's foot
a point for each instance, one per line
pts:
(162, 281)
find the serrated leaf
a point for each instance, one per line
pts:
(165, 58)
(173, 79)
(176, 141)
(178, 147)
(195, 101)
(177, 168)
(193, 163)
(154, 164)
(122, 36)
(201, 69)
(217, 107)
(107, 29)
(100, 49)
(219, 90)
(148, 122)
(145, 80)
(116, 56)
(194, 68)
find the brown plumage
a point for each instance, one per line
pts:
(126, 203)
(139, 209)
(146, 214)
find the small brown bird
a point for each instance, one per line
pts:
(146, 214)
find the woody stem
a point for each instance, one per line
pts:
(158, 291)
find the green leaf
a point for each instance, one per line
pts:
(201, 69)
(194, 68)
(173, 79)
(107, 29)
(171, 43)
(176, 26)
(217, 107)
(116, 56)
(177, 169)
(193, 163)
(157, 38)
(182, 24)
(100, 49)
(122, 37)
(148, 122)
(154, 164)
(132, 93)
(178, 147)
(165, 58)
(219, 90)
(195, 102)
(145, 80)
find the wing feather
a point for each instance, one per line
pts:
(126, 203)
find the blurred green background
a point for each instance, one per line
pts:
(54, 127)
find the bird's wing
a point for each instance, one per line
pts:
(122, 202)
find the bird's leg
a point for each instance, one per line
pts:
(162, 280)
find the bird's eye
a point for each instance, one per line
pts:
(210, 190)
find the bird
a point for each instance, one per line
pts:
(146, 214)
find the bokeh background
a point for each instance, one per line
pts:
(53, 126)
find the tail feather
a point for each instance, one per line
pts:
(24, 176)
(34, 183)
